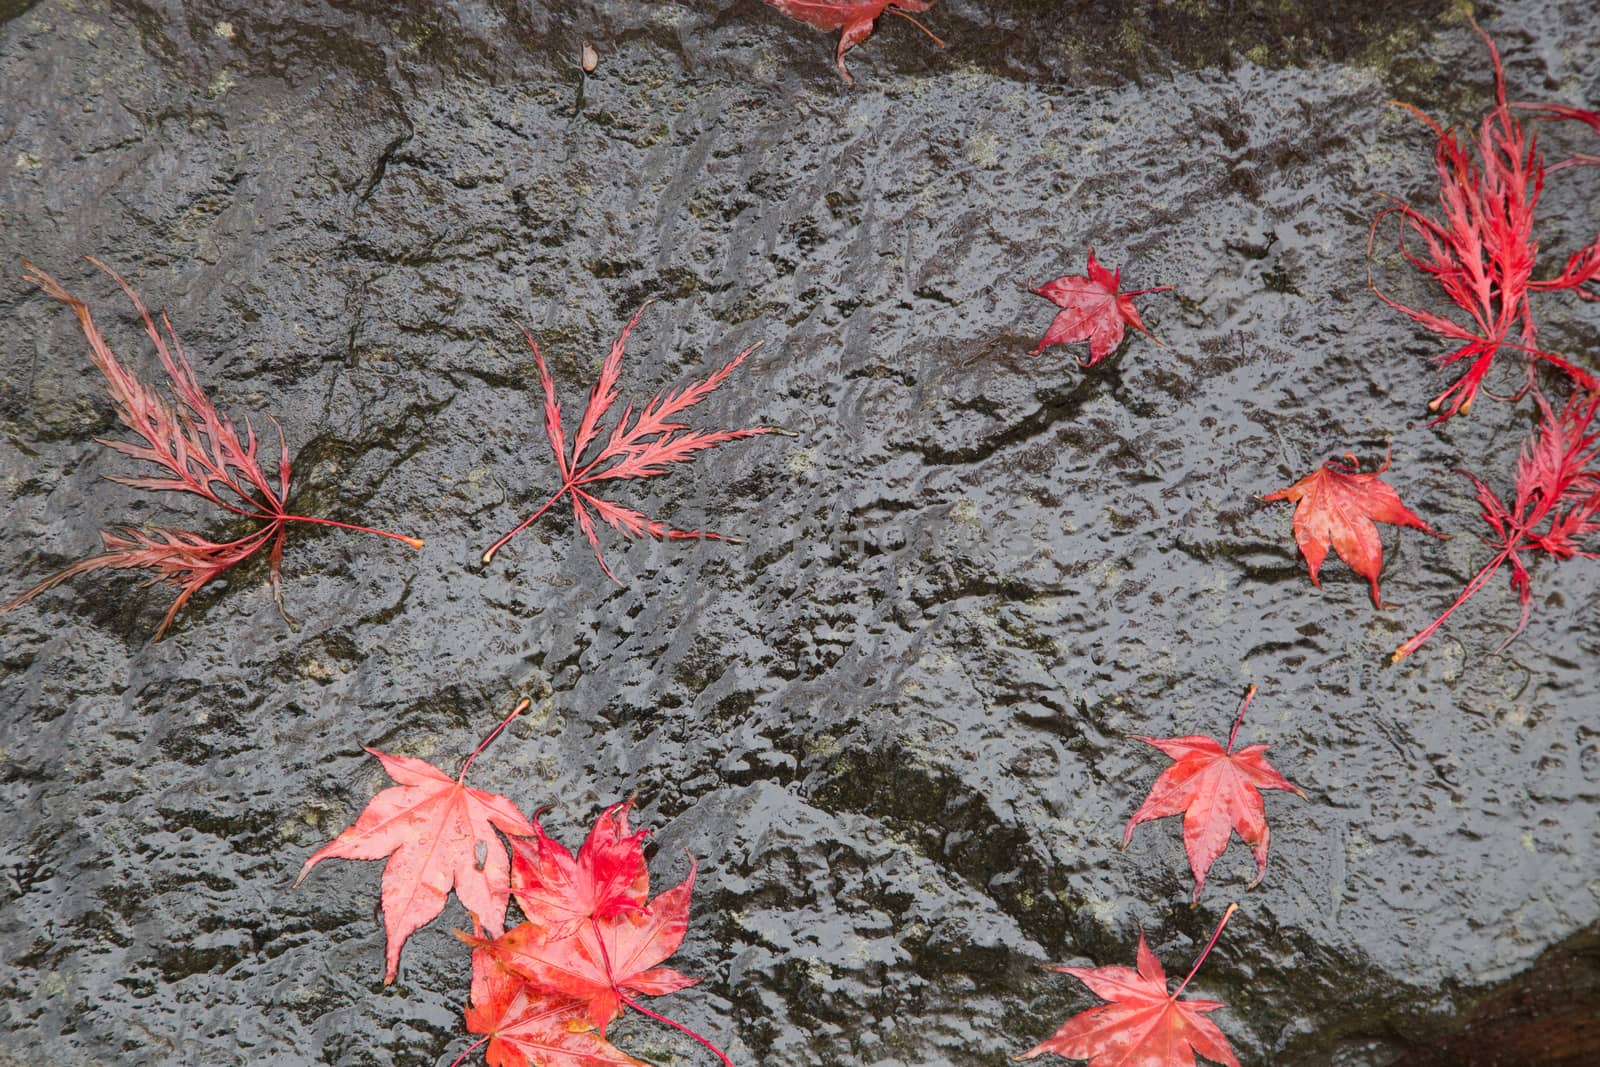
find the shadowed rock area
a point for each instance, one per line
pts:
(892, 724)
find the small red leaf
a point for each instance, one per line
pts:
(1093, 309)
(854, 17)
(1340, 506)
(648, 446)
(1217, 791)
(606, 879)
(527, 1028)
(437, 834)
(1141, 1024)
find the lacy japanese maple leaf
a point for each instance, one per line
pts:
(647, 448)
(526, 1028)
(438, 834)
(606, 879)
(1481, 248)
(1141, 1024)
(199, 451)
(854, 17)
(1556, 506)
(1093, 309)
(1218, 792)
(1341, 506)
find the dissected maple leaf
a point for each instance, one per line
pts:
(1556, 506)
(1341, 506)
(854, 17)
(1481, 248)
(438, 834)
(201, 453)
(646, 449)
(526, 1028)
(1093, 309)
(1141, 1024)
(607, 878)
(1217, 791)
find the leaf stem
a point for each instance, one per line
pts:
(605, 958)
(522, 705)
(918, 25)
(1207, 950)
(459, 1060)
(414, 542)
(488, 556)
(1239, 719)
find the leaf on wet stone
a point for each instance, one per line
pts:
(650, 447)
(1340, 506)
(1093, 309)
(615, 939)
(200, 452)
(438, 834)
(608, 877)
(854, 19)
(524, 1027)
(1218, 793)
(1141, 1024)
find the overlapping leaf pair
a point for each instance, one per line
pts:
(545, 991)
(1218, 792)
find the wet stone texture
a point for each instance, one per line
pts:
(891, 725)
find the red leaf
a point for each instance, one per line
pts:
(854, 17)
(1557, 506)
(1093, 309)
(607, 878)
(604, 960)
(1481, 247)
(201, 453)
(437, 834)
(1217, 791)
(1141, 1025)
(647, 448)
(1341, 507)
(526, 1028)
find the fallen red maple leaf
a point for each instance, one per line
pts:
(1481, 249)
(606, 879)
(1342, 507)
(1557, 504)
(201, 453)
(526, 1028)
(646, 449)
(1141, 1025)
(603, 963)
(437, 834)
(854, 17)
(607, 959)
(1092, 309)
(1217, 791)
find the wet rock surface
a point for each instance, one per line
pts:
(891, 725)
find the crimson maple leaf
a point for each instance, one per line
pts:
(437, 834)
(526, 1028)
(854, 17)
(606, 879)
(1481, 247)
(603, 962)
(200, 452)
(1141, 1025)
(1340, 505)
(1217, 791)
(1555, 510)
(645, 449)
(1093, 309)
